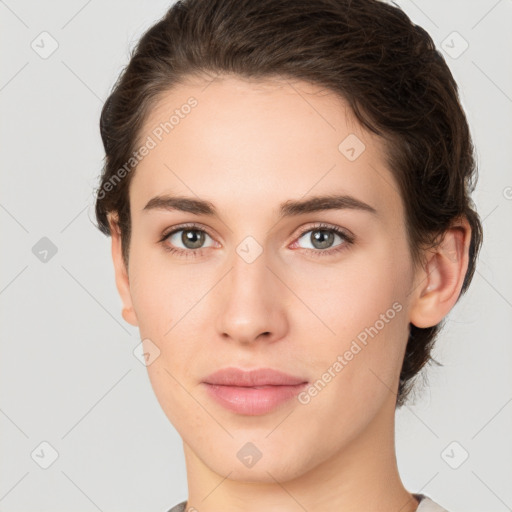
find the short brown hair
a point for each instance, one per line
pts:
(368, 52)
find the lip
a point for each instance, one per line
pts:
(250, 378)
(253, 392)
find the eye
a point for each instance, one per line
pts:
(322, 237)
(186, 240)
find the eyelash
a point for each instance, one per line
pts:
(348, 240)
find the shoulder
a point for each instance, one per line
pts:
(426, 504)
(180, 507)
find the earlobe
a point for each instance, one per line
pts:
(441, 280)
(121, 273)
(129, 315)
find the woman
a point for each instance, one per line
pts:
(287, 186)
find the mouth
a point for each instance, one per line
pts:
(252, 393)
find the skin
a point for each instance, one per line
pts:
(247, 147)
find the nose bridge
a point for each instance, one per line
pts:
(250, 275)
(251, 298)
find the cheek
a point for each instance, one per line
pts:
(165, 302)
(356, 371)
(362, 307)
(161, 292)
(352, 294)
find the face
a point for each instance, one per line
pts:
(320, 294)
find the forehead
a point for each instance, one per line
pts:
(258, 143)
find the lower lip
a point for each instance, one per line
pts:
(253, 401)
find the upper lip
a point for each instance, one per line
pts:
(249, 378)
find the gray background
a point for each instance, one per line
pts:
(68, 374)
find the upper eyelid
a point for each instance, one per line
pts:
(191, 227)
(324, 226)
(338, 230)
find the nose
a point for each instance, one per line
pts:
(251, 302)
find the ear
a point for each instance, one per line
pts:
(121, 272)
(438, 284)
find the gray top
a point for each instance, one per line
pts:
(426, 505)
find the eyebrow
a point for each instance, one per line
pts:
(289, 208)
